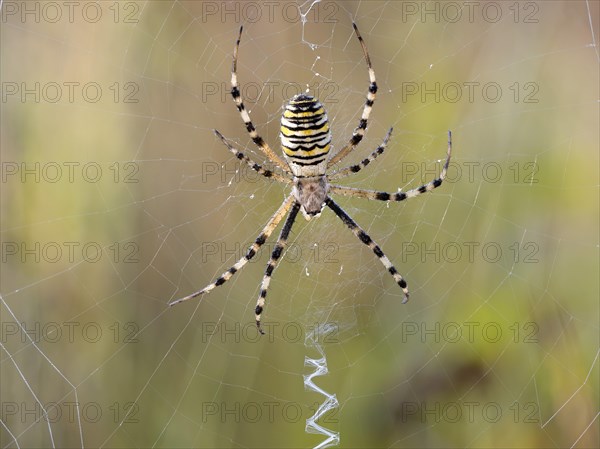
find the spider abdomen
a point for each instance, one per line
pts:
(305, 136)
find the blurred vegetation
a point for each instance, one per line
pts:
(170, 212)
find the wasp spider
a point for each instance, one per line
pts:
(306, 142)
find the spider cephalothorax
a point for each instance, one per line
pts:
(306, 141)
(311, 194)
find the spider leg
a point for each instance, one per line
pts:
(398, 196)
(242, 157)
(358, 167)
(260, 240)
(364, 237)
(237, 97)
(359, 131)
(273, 261)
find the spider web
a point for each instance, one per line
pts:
(117, 198)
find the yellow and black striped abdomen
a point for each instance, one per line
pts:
(305, 136)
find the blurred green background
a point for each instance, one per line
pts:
(117, 198)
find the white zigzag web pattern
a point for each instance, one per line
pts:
(330, 402)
